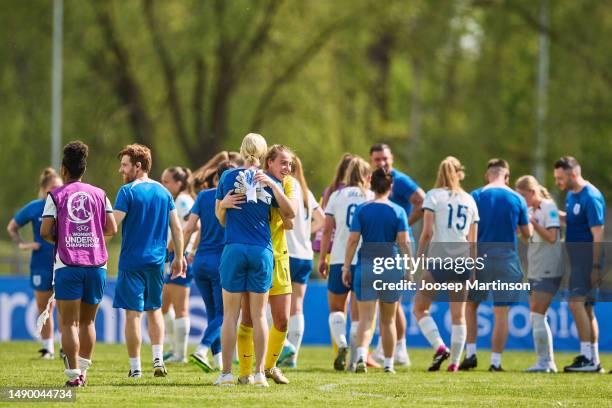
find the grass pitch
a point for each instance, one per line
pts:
(313, 383)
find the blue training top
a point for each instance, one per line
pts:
(585, 209)
(403, 187)
(147, 205)
(251, 224)
(42, 258)
(501, 210)
(379, 223)
(212, 234)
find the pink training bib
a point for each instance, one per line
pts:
(81, 217)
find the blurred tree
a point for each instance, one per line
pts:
(191, 77)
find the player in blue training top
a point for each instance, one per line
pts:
(145, 208)
(243, 200)
(41, 262)
(585, 218)
(205, 268)
(408, 195)
(501, 211)
(378, 221)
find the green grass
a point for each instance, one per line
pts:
(314, 383)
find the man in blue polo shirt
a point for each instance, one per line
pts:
(585, 207)
(501, 211)
(146, 208)
(408, 195)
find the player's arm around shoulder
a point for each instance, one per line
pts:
(286, 205)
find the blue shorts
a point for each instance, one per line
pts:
(41, 279)
(506, 270)
(547, 285)
(300, 270)
(334, 280)
(366, 289)
(246, 268)
(581, 262)
(186, 281)
(206, 265)
(139, 290)
(76, 282)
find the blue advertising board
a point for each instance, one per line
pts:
(18, 319)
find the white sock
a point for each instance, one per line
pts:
(337, 326)
(400, 346)
(496, 359)
(389, 362)
(353, 340)
(458, 335)
(470, 349)
(72, 373)
(295, 332)
(203, 350)
(158, 351)
(48, 344)
(542, 339)
(585, 349)
(169, 328)
(362, 353)
(218, 360)
(182, 327)
(595, 353)
(430, 331)
(84, 364)
(135, 364)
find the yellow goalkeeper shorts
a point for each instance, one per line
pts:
(281, 278)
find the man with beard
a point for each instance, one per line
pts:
(585, 218)
(146, 208)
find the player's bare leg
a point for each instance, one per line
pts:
(500, 336)
(133, 340)
(388, 327)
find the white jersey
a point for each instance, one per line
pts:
(341, 206)
(183, 203)
(454, 214)
(298, 239)
(544, 259)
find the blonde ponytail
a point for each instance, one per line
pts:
(448, 174)
(253, 149)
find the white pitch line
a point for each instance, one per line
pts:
(327, 387)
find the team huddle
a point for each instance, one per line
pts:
(245, 227)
